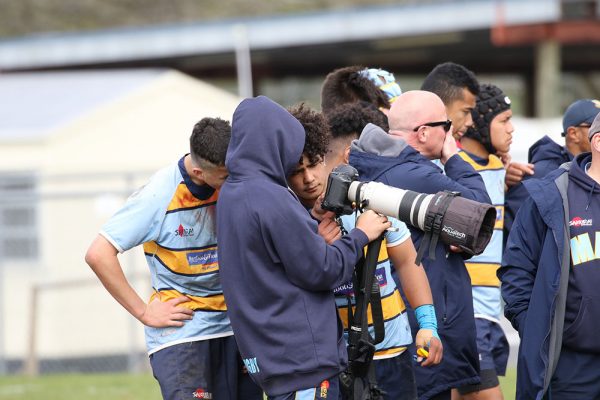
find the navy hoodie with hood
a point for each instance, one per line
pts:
(277, 273)
(536, 275)
(546, 155)
(379, 157)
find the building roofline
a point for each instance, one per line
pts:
(355, 24)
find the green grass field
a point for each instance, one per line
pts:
(116, 387)
(80, 386)
(508, 384)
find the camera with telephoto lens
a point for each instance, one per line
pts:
(457, 221)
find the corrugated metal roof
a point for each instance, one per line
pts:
(33, 105)
(270, 32)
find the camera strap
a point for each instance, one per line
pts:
(359, 380)
(433, 225)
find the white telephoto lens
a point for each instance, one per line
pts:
(387, 200)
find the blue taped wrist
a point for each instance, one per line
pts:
(426, 318)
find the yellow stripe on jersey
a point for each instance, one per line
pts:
(177, 261)
(183, 198)
(383, 254)
(390, 351)
(392, 306)
(483, 274)
(211, 303)
(493, 162)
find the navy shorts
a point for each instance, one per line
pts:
(206, 369)
(493, 350)
(577, 376)
(326, 390)
(396, 377)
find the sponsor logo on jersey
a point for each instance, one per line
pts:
(347, 289)
(578, 222)
(324, 388)
(184, 232)
(206, 257)
(251, 365)
(202, 394)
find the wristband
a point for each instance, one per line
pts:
(426, 318)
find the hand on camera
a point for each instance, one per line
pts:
(159, 314)
(329, 228)
(432, 345)
(372, 224)
(317, 211)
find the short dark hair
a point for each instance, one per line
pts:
(209, 140)
(316, 129)
(347, 85)
(448, 80)
(350, 119)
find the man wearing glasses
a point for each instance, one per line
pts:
(420, 132)
(546, 155)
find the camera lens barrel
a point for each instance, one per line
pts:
(457, 221)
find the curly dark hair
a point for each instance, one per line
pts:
(349, 120)
(448, 80)
(347, 85)
(316, 129)
(209, 140)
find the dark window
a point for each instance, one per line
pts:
(18, 217)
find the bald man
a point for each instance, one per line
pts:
(420, 132)
(420, 119)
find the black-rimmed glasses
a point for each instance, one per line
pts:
(445, 124)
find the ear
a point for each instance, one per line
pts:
(572, 135)
(384, 110)
(198, 173)
(422, 134)
(595, 142)
(347, 155)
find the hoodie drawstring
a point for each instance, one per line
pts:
(590, 196)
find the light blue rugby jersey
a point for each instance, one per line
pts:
(482, 268)
(174, 219)
(397, 328)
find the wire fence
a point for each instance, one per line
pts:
(55, 316)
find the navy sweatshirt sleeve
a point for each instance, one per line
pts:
(425, 177)
(309, 262)
(519, 264)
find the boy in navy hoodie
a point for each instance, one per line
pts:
(277, 273)
(550, 276)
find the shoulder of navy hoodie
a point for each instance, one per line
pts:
(290, 233)
(422, 176)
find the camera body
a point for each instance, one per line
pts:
(336, 196)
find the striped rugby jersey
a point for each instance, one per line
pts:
(397, 328)
(174, 219)
(482, 268)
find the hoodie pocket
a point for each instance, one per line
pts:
(579, 336)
